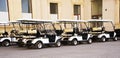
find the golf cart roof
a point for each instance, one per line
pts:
(46, 21)
(13, 22)
(98, 20)
(35, 21)
(4, 22)
(28, 21)
(71, 21)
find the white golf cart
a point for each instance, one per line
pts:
(102, 30)
(45, 33)
(117, 30)
(27, 32)
(7, 39)
(75, 31)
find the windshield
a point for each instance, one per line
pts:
(95, 24)
(48, 26)
(82, 26)
(57, 26)
(101, 25)
(108, 26)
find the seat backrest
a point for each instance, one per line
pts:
(22, 31)
(97, 29)
(68, 30)
(32, 31)
(1, 31)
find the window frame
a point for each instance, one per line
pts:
(78, 9)
(6, 6)
(55, 6)
(29, 6)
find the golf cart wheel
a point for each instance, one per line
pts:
(5, 43)
(89, 41)
(58, 43)
(74, 42)
(103, 39)
(115, 38)
(38, 45)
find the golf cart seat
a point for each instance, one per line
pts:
(97, 29)
(117, 26)
(32, 31)
(27, 37)
(22, 31)
(1, 31)
(68, 31)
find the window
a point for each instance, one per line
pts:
(26, 6)
(77, 10)
(3, 5)
(4, 11)
(53, 8)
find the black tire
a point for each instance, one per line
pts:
(103, 39)
(58, 43)
(89, 41)
(38, 45)
(115, 38)
(74, 42)
(5, 43)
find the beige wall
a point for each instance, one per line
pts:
(66, 11)
(117, 11)
(36, 9)
(109, 5)
(87, 9)
(41, 9)
(96, 7)
(14, 9)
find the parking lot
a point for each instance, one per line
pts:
(109, 49)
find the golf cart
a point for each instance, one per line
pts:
(27, 32)
(102, 30)
(7, 39)
(117, 30)
(75, 31)
(44, 34)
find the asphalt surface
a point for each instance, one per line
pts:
(109, 49)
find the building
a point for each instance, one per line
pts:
(11, 10)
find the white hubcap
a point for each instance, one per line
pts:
(75, 42)
(6, 43)
(58, 43)
(90, 41)
(103, 39)
(40, 45)
(115, 38)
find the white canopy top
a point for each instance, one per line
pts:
(98, 20)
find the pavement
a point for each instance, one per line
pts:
(110, 49)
